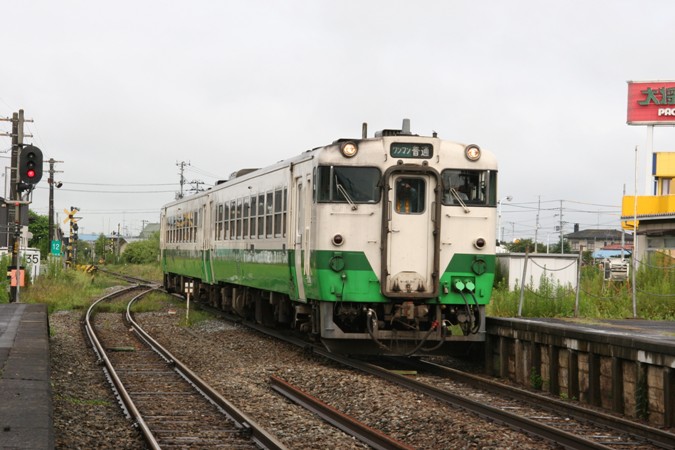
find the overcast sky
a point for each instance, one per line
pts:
(123, 91)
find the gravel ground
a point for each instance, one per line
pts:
(238, 363)
(86, 414)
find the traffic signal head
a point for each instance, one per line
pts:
(30, 165)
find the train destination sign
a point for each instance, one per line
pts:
(651, 103)
(407, 150)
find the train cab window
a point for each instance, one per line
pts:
(409, 195)
(338, 184)
(471, 187)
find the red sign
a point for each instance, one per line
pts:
(651, 103)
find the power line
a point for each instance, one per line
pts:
(120, 184)
(88, 191)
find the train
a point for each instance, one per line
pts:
(381, 245)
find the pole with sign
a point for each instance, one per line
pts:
(56, 248)
(188, 292)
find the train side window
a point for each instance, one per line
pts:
(278, 205)
(409, 195)
(261, 216)
(195, 225)
(285, 209)
(219, 222)
(269, 214)
(233, 219)
(245, 215)
(254, 213)
(238, 218)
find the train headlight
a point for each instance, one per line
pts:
(349, 149)
(472, 152)
(479, 243)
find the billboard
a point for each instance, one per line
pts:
(651, 103)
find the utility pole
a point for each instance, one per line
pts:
(196, 189)
(536, 228)
(182, 165)
(51, 196)
(561, 227)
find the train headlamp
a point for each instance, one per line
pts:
(349, 149)
(472, 152)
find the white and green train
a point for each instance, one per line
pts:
(382, 245)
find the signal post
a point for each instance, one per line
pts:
(25, 174)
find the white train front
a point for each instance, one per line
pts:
(374, 245)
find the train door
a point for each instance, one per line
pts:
(411, 236)
(300, 237)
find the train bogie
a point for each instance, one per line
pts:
(381, 245)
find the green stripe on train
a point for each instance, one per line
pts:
(334, 276)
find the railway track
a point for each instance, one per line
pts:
(172, 407)
(558, 422)
(623, 432)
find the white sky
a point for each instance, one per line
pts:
(122, 91)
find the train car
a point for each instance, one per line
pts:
(374, 245)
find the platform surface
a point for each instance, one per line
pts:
(26, 418)
(655, 329)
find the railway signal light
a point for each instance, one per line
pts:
(30, 165)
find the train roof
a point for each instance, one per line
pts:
(386, 135)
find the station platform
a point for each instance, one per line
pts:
(635, 331)
(627, 366)
(26, 419)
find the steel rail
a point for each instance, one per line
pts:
(560, 437)
(257, 433)
(655, 436)
(349, 425)
(112, 374)
(551, 434)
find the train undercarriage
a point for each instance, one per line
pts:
(397, 328)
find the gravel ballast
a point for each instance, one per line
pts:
(238, 363)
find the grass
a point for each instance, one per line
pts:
(64, 289)
(150, 272)
(79, 401)
(598, 299)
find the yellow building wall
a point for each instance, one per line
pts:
(647, 205)
(665, 164)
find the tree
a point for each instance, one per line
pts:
(555, 248)
(523, 246)
(142, 252)
(39, 226)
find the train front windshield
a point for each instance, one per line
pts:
(474, 187)
(348, 184)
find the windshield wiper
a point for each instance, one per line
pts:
(344, 193)
(459, 199)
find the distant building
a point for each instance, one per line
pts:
(594, 239)
(655, 213)
(148, 230)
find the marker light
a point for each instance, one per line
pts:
(338, 240)
(472, 152)
(349, 149)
